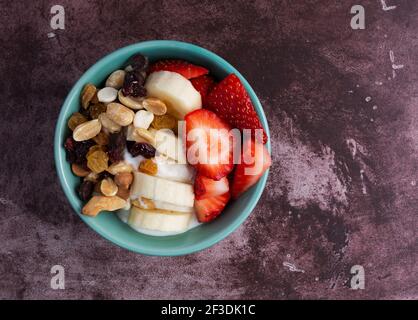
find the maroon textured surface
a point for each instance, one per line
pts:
(343, 187)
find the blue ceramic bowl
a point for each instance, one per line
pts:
(107, 224)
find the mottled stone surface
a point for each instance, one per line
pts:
(343, 187)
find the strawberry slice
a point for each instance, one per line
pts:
(186, 69)
(255, 160)
(231, 102)
(204, 85)
(209, 144)
(205, 187)
(209, 208)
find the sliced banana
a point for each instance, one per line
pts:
(158, 189)
(175, 90)
(159, 220)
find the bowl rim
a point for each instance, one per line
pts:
(60, 159)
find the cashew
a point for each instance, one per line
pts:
(101, 203)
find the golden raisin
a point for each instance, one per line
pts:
(94, 148)
(76, 119)
(87, 94)
(148, 166)
(164, 122)
(97, 161)
(97, 109)
(101, 139)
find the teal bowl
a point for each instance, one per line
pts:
(107, 224)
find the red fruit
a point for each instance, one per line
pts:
(205, 187)
(209, 144)
(247, 174)
(186, 69)
(204, 85)
(209, 208)
(231, 102)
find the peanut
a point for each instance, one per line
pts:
(101, 203)
(79, 171)
(130, 102)
(143, 119)
(119, 168)
(124, 179)
(108, 187)
(141, 135)
(115, 80)
(110, 125)
(154, 105)
(120, 114)
(87, 130)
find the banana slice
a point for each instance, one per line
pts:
(175, 90)
(144, 203)
(154, 188)
(159, 220)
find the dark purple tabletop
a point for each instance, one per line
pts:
(342, 106)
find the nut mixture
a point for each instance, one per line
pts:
(108, 117)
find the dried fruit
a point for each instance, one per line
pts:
(120, 114)
(108, 187)
(85, 190)
(165, 121)
(77, 150)
(101, 139)
(87, 130)
(97, 161)
(148, 166)
(139, 62)
(87, 95)
(115, 80)
(76, 119)
(93, 149)
(124, 179)
(119, 167)
(116, 146)
(97, 109)
(154, 105)
(141, 149)
(133, 85)
(110, 125)
(101, 203)
(131, 102)
(79, 171)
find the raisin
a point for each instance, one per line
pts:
(116, 146)
(77, 151)
(101, 139)
(148, 166)
(139, 62)
(85, 190)
(133, 85)
(164, 122)
(97, 161)
(97, 109)
(141, 149)
(76, 119)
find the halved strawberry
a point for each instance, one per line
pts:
(205, 187)
(186, 69)
(204, 85)
(209, 144)
(209, 208)
(255, 160)
(231, 102)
